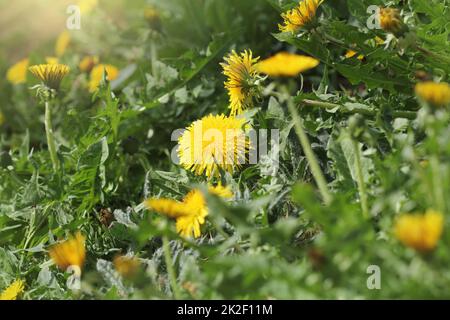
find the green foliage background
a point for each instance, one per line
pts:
(279, 240)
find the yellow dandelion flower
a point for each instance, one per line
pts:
(71, 252)
(86, 6)
(190, 213)
(300, 16)
(62, 43)
(213, 143)
(437, 94)
(189, 224)
(240, 72)
(87, 63)
(96, 75)
(286, 64)
(421, 232)
(50, 74)
(13, 291)
(17, 73)
(351, 53)
(126, 266)
(195, 203)
(391, 21)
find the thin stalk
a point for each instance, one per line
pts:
(50, 136)
(309, 153)
(371, 113)
(360, 180)
(153, 58)
(170, 269)
(439, 197)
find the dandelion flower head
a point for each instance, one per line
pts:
(50, 74)
(286, 64)
(300, 16)
(213, 143)
(240, 71)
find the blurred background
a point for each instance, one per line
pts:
(190, 36)
(27, 24)
(30, 25)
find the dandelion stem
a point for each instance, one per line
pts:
(50, 136)
(154, 58)
(439, 197)
(309, 153)
(360, 180)
(170, 269)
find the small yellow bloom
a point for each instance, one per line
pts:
(212, 144)
(71, 252)
(62, 43)
(300, 16)
(286, 64)
(86, 6)
(240, 71)
(87, 63)
(190, 213)
(51, 60)
(351, 53)
(437, 94)
(50, 74)
(13, 291)
(96, 75)
(126, 266)
(17, 73)
(421, 232)
(390, 20)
